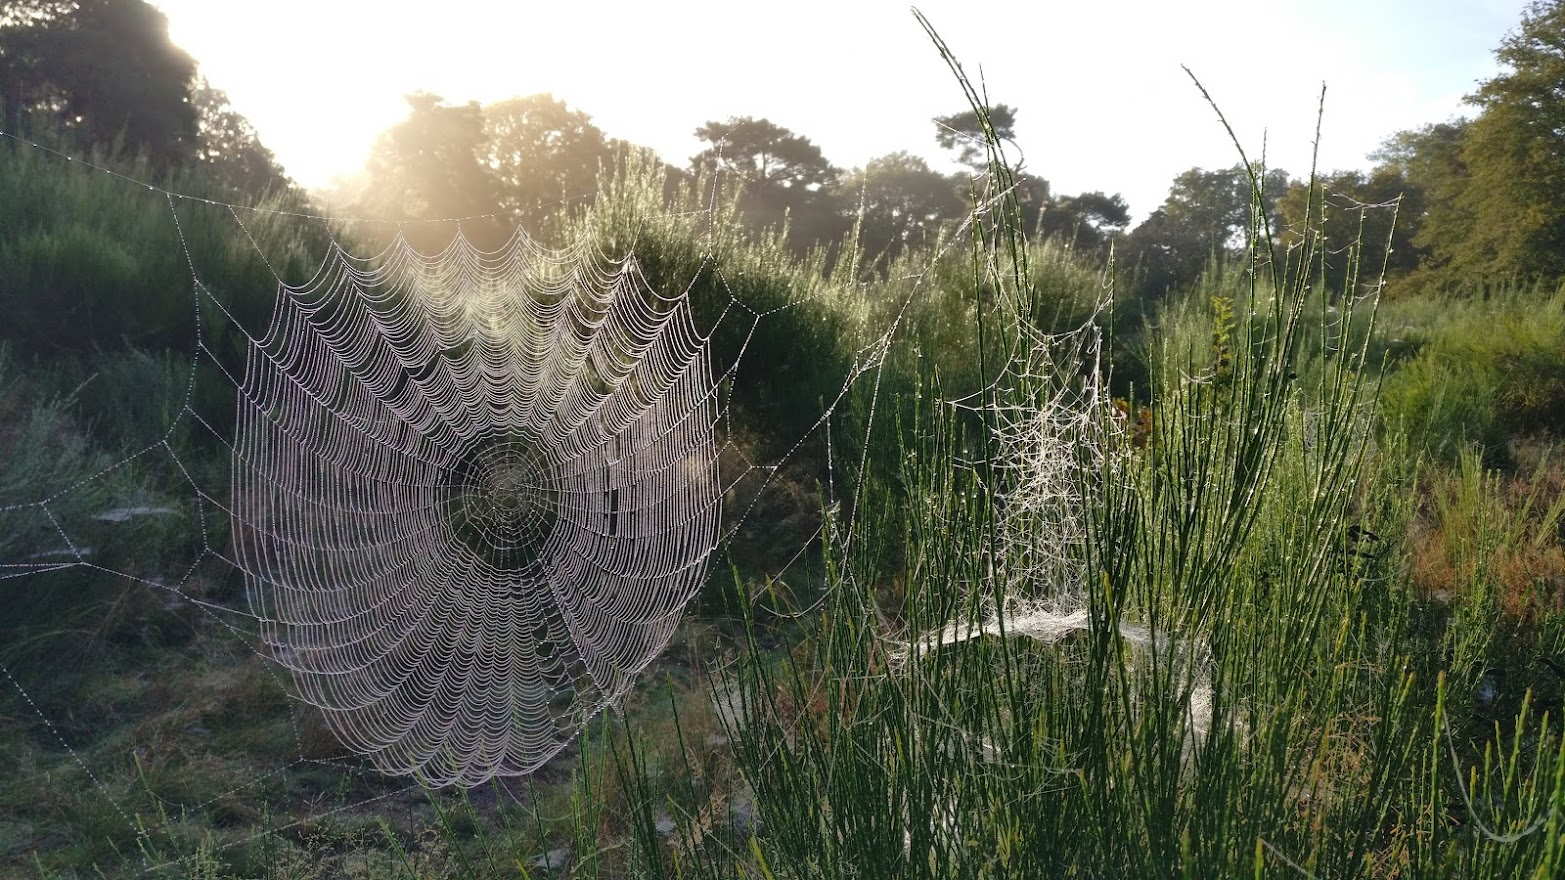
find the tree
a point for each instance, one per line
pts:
(429, 166)
(1205, 215)
(784, 176)
(101, 70)
(1354, 207)
(963, 132)
(230, 148)
(542, 155)
(1430, 160)
(1101, 210)
(1163, 253)
(1513, 202)
(1217, 204)
(764, 154)
(903, 204)
(1086, 221)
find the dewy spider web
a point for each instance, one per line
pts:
(470, 492)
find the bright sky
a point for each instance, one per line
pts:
(1102, 102)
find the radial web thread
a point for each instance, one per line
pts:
(472, 493)
(456, 501)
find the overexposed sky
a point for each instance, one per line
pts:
(1102, 102)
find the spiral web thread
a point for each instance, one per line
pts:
(470, 494)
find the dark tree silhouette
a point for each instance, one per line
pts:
(1085, 222)
(784, 175)
(542, 155)
(1204, 217)
(1352, 206)
(230, 148)
(903, 202)
(963, 133)
(430, 166)
(104, 71)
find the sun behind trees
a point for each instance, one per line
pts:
(525, 158)
(103, 75)
(1481, 197)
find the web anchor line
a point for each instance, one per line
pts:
(470, 493)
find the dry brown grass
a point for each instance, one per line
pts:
(1493, 529)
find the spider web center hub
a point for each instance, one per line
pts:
(502, 504)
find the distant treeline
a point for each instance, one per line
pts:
(1478, 199)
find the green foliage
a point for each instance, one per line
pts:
(1203, 216)
(786, 373)
(783, 175)
(525, 160)
(430, 166)
(1246, 537)
(1365, 221)
(1086, 222)
(97, 263)
(230, 150)
(1487, 373)
(1099, 209)
(1446, 406)
(902, 205)
(1515, 155)
(1492, 186)
(964, 133)
(1354, 729)
(1430, 160)
(543, 156)
(102, 71)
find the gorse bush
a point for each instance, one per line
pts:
(776, 316)
(1446, 407)
(1488, 371)
(95, 262)
(1244, 684)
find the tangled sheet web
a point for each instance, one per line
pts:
(1054, 427)
(472, 493)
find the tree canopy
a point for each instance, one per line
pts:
(1204, 216)
(903, 203)
(784, 175)
(230, 148)
(1513, 200)
(1355, 208)
(964, 133)
(541, 154)
(1086, 221)
(430, 165)
(101, 71)
(1480, 198)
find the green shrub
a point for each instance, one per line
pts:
(1446, 406)
(94, 262)
(1492, 371)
